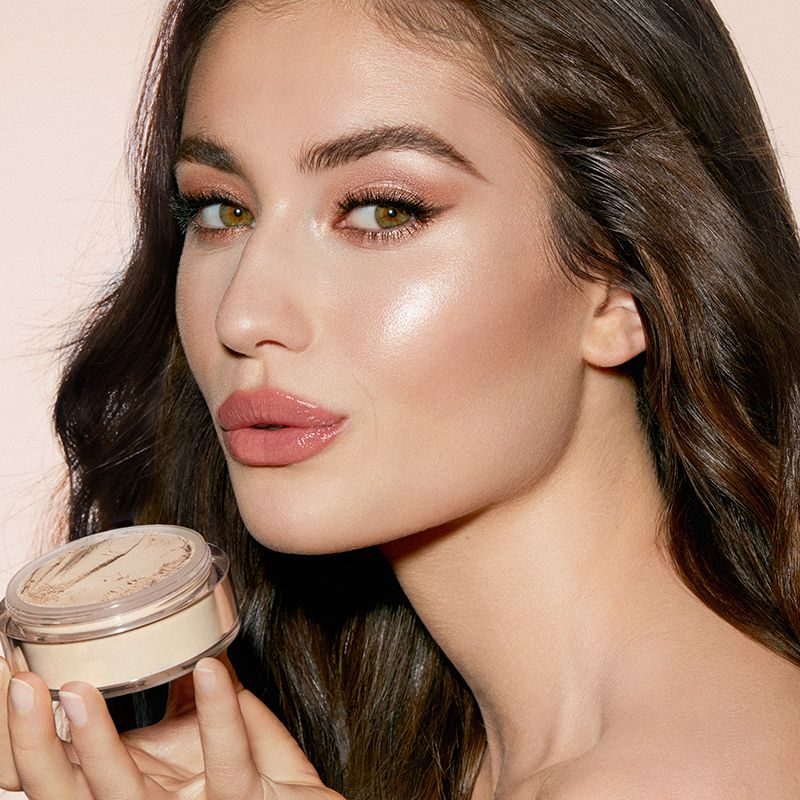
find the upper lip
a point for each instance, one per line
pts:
(268, 406)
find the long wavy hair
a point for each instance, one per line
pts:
(665, 184)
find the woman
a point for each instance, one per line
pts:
(469, 329)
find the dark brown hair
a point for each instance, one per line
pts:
(666, 184)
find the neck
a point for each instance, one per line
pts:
(540, 602)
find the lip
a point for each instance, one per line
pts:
(305, 428)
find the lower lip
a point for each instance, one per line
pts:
(260, 447)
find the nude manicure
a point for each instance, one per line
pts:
(21, 695)
(205, 679)
(75, 708)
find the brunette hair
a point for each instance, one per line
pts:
(664, 183)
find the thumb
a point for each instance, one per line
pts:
(275, 752)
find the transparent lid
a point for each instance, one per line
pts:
(111, 581)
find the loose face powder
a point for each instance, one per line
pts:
(106, 570)
(124, 610)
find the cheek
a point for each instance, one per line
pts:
(496, 314)
(475, 373)
(197, 298)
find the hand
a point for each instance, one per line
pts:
(233, 748)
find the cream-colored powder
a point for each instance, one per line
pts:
(133, 656)
(107, 570)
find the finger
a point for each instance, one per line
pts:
(42, 765)
(275, 751)
(8, 772)
(105, 762)
(231, 773)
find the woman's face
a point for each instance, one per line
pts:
(369, 237)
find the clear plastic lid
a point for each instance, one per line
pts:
(109, 582)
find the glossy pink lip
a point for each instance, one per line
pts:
(269, 428)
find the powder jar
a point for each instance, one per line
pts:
(124, 610)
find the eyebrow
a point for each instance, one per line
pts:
(359, 144)
(199, 150)
(349, 147)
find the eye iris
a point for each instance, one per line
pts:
(390, 216)
(232, 216)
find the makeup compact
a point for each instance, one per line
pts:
(124, 610)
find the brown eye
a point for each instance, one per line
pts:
(375, 217)
(222, 215)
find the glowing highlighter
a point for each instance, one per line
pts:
(124, 610)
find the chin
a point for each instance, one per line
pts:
(303, 527)
(291, 542)
(303, 511)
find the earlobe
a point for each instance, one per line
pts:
(615, 333)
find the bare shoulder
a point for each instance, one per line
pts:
(621, 781)
(666, 776)
(729, 730)
(749, 753)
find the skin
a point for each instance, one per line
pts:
(491, 449)
(368, 328)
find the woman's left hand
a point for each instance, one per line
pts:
(232, 748)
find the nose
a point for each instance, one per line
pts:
(264, 304)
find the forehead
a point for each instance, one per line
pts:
(315, 69)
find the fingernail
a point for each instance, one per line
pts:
(74, 707)
(205, 679)
(62, 722)
(21, 695)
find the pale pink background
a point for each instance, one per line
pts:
(68, 74)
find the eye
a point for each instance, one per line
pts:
(209, 214)
(223, 215)
(384, 214)
(376, 217)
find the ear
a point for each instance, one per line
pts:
(615, 333)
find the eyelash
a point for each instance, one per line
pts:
(186, 209)
(420, 212)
